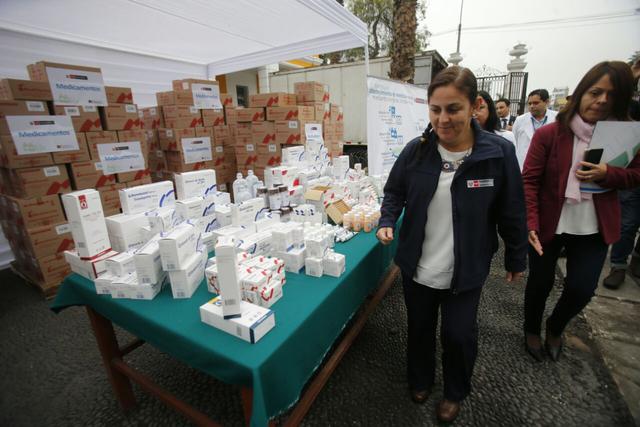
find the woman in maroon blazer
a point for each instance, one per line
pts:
(560, 215)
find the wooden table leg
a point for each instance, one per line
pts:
(109, 350)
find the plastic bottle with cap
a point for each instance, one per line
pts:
(252, 182)
(240, 189)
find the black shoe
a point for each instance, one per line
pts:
(615, 279)
(420, 396)
(634, 267)
(553, 351)
(536, 353)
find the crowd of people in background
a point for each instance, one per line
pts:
(477, 172)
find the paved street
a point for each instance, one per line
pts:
(53, 375)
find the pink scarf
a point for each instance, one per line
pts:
(582, 137)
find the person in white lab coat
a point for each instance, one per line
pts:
(525, 125)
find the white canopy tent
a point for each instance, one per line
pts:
(144, 44)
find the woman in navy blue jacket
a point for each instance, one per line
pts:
(457, 184)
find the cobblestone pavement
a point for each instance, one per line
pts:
(52, 373)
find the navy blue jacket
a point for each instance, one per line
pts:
(478, 207)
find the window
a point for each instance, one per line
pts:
(242, 94)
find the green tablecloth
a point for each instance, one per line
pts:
(310, 316)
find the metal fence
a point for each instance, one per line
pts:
(512, 86)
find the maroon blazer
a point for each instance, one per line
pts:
(545, 173)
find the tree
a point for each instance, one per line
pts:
(404, 40)
(633, 58)
(378, 15)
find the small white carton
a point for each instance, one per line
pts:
(256, 244)
(121, 264)
(147, 197)
(89, 268)
(126, 232)
(340, 167)
(185, 282)
(124, 286)
(190, 208)
(232, 231)
(316, 246)
(267, 222)
(86, 218)
(223, 214)
(251, 326)
(146, 291)
(293, 156)
(207, 239)
(245, 213)
(282, 238)
(197, 183)
(221, 198)
(103, 283)
(313, 266)
(265, 296)
(211, 274)
(177, 245)
(148, 262)
(228, 281)
(162, 219)
(293, 259)
(334, 264)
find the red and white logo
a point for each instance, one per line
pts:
(83, 202)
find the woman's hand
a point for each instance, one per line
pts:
(385, 235)
(514, 276)
(594, 173)
(533, 241)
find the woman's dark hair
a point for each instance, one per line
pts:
(622, 81)
(461, 78)
(492, 123)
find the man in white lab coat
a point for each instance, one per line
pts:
(525, 125)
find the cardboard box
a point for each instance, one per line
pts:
(205, 131)
(175, 97)
(134, 135)
(231, 115)
(336, 211)
(311, 92)
(336, 113)
(126, 232)
(333, 264)
(263, 133)
(148, 263)
(147, 197)
(293, 155)
(245, 160)
(34, 212)
(274, 99)
(100, 137)
(169, 138)
(185, 282)
(138, 182)
(176, 163)
(269, 155)
(120, 117)
(294, 112)
(135, 176)
(83, 118)
(47, 240)
(250, 114)
(35, 182)
(110, 198)
(119, 95)
(79, 155)
(24, 90)
(213, 117)
(86, 217)
(228, 279)
(322, 111)
(198, 183)
(152, 117)
(20, 108)
(157, 161)
(227, 100)
(290, 132)
(177, 246)
(185, 84)
(48, 271)
(9, 157)
(86, 175)
(38, 71)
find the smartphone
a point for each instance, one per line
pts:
(592, 156)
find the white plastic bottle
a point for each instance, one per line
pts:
(252, 182)
(240, 189)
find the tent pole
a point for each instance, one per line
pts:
(366, 59)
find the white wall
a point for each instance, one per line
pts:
(242, 78)
(144, 74)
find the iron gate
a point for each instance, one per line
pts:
(512, 86)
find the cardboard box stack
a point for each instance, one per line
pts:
(30, 210)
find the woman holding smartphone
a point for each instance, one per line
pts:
(560, 215)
